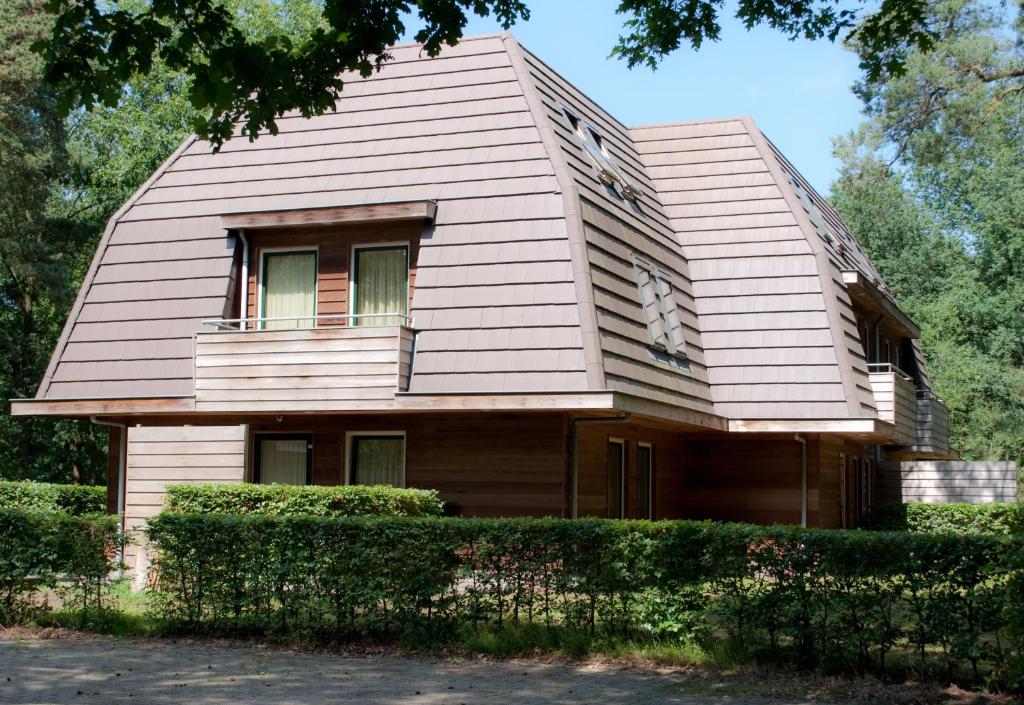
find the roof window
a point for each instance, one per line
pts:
(608, 169)
(661, 314)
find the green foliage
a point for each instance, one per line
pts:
(237, 75)
(76, 500)
(344, 500)
(846, 601)
(57, 551)
(931, 185)
(1001, 518)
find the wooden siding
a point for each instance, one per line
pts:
(494, 277)
(896, 400)
(615, 230)
(161, 456)
(481, 464)
(932, 426)
(317, 369)
(940, 481)
(757, 290)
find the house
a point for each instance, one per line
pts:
(471, 277)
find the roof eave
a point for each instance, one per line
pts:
(869, 296)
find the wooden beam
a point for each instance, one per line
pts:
(79, 408)
(863, 429)
(410, 210)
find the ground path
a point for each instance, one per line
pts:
(102, 670)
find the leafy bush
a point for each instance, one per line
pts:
(996, 518)
(40, 549)
(72, 499)
(346, 500)
(841, 600)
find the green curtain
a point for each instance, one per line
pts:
(289, 289)
(283, 460)
(382, 285)
(378, 460)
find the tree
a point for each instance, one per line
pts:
(237, 77)
(932, 184)
(40, 250)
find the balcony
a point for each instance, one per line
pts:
(243, 366)
(896, 401)
(932, 424)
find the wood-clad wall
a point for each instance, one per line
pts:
(481, 464)
(334, 252)
(161, 456)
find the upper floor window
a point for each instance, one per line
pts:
(608, 169)
(380, 285)
(659, 305)
(288, 290)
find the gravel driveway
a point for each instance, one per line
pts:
(110, 671)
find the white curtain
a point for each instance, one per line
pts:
(283, 461)
(289, 289)
(378, 460)
(382, 285)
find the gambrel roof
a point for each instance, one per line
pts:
(526, 279)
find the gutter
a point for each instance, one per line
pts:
(803, 478)
(573, 460)
(122, 471)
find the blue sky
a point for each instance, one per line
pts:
(798, 92)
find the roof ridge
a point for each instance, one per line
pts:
(688, 123)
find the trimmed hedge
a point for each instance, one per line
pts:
(72, 499)
(345, 500)
(994, 518)
(841, 600)
(40, 549)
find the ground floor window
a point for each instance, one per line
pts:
(616, 478)
(645, 480)
(283, 458)
(376, 459)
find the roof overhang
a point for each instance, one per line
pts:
(866, 429)
(374, 212)
(869, 297)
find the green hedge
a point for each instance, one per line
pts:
(72, 499)
(995, 518)
(842, 600)
(346, 500)
(41, 549)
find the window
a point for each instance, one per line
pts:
(616, 479)
(659, 307)
(608, 170)
(645, 480)
(376, 458)
(288, 289)
(283, 458)
(380, 284)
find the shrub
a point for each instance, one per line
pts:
(346, 500)
(995, 518)
(40, 549)
(842, 600)
(72, 499)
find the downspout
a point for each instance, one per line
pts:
(573, 453)
(244, 308)
(122, 471)
(803, 478)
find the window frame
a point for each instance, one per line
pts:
(261, 281)
(351, 436)
(610, 172)
(666, 305)
(650, 476)
(621, 443)
(257, 451)
(353, 282)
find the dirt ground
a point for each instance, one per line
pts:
(58, 666)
